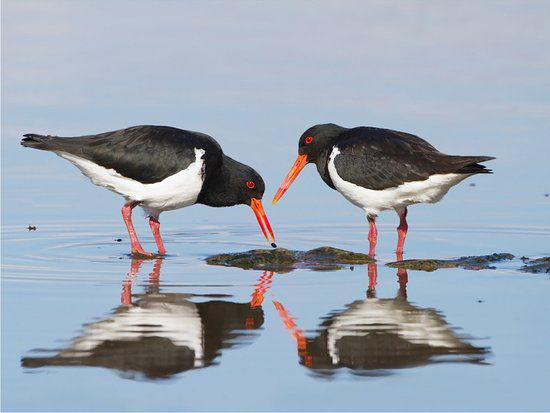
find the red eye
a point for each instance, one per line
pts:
(250, 184)
(309, 139)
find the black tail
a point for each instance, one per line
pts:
(32, 140)
(471, 165)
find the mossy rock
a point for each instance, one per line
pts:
(481, 262)
(536, 266)
(283, 260)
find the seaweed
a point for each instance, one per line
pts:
(283, 260)
(536, 265)
(481, 262)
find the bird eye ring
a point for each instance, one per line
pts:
(309, 139)
(250, 184)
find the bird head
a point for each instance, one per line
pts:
(252, 193)
(238, 184)
(312, 144)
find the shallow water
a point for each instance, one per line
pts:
(85, 327)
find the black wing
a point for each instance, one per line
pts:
(381, 158)
(147, 154)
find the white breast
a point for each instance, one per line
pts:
(373, 201)
(416, 325)
(176, 191)
(181, 324)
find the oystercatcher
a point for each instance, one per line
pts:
(158, 334)
(160, 168)
(380, 169)
(373, 334)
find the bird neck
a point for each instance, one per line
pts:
(218, 188)
(322, 165)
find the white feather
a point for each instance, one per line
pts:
(416, 325)
(180, 323)
(373, 201)
(176, 191)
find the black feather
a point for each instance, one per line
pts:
(380, 158)
(147, 154)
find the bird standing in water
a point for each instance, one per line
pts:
(380, 169)
(160, 168)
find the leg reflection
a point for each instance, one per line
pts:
(262, 286)
(154, 277)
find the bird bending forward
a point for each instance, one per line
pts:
(160, 168)
(380, 169)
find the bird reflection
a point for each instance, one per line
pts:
(374, 335)
(156, 335)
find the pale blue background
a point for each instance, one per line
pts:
(471, 77)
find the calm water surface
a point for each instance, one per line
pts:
(85, 327)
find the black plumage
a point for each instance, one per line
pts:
(378, 159)
(147, 161)
(147, 154)
(380, 169)
(153, 356)
(367, 346)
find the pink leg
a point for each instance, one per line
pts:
(373, 235)
(155, 227)
(402, 232)
(402, 279)
(126, 296)
(373, 277)
(137, 249)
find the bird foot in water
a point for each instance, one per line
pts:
(144, 255)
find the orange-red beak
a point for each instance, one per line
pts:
(258, 208)
(301, 161)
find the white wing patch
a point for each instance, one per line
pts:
(176, 191)
(416, 325)
(373, 201)
(181, 324)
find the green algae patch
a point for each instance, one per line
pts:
(481, 262)
(283, 260)
(536, 265)
(275, 259)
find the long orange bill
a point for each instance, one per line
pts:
(258, 208)
(301, 161)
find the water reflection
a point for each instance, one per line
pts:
(157, 335)
(373, 336)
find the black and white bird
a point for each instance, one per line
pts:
(158, 334)
(160, 168)
(380, 169)
(374, 336)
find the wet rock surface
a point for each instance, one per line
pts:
(283, 260)
(536, 265)
(481, 262)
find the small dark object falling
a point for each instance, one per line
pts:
(473, 184)
(31, 227)
(546, 195)
(118, 239)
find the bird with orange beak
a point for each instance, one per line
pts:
(160, 168)
(380, 169)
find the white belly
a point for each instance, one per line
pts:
(373, 201)
(180, 323)
(416, 325)
(176, 191)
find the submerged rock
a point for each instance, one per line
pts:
(283, 260)
(536, 266)
(481, 262)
